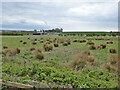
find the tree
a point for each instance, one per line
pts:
(35, 31)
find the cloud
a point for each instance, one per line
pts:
(17, 19)
(71, 15)
(95, 9)
(59, 0)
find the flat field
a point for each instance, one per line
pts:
(74, 64)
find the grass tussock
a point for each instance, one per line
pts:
(81, 60)
(48, 42)
(38, 55)
(75, 40)
(91, 59)
(90, 43)
(112, 64)
(39, 50)
(21, 40)
(17, 50)
(103, 46)
(33, 43)
(111, 50)
(86, 52)
(47, 47)
(11, 52)
(92, 47)
(98, 47)
(82, 41)
(6, 51)
(5, 47)
(31, 49)
(113, 59)
(68, 41)
(56, 45)
(65, 43)
(41, 41)
(109, 42)
(110, 68)
(24, 42)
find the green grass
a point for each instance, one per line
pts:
(23, 65)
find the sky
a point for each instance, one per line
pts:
(72, 15)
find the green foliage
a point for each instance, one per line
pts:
(51, 72)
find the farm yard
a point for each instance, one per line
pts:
(55, 61)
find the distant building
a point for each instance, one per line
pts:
(39, 32)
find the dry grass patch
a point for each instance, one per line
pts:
(86, 52)
(47, 47)
(113, 59)
(81, 60)
(11, 52)
(38, 55)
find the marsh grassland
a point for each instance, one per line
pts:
(60, 61)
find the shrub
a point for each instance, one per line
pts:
(111, 50)
(5, 47)
(38, 55)
(56, 45)
(65, 44)
(92, 47)
(47, 47)
(31, 48)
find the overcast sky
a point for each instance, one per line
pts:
(73, 15)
